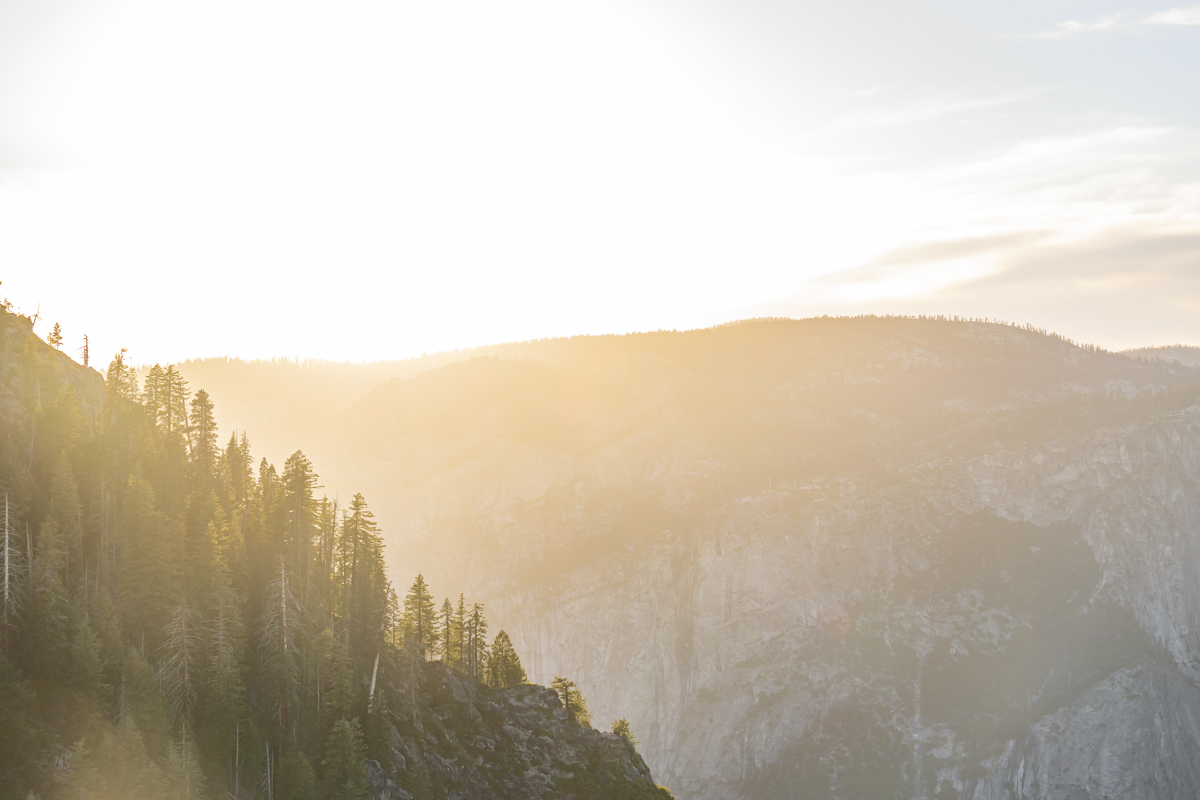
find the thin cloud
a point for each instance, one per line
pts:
(1176, 16)
(1119, 288)
(948, 249)
(1071, 27)
(929, 109)
(920, 269)
(1108, 215)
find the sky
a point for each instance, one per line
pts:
(359, 180)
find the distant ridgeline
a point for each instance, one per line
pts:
(1185, 354)
(178, 623)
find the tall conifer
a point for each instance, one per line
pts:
(297, 485)
(121, 379)
(503, 665)
(279, 634)
(420, 621)
(477, 648)
(202, 437)
(345, 775)
(572, 700)
(448, 639)
(181, 663)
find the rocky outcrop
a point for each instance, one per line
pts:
(468, 742)
(382, 786)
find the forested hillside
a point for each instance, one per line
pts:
(179, 621)
(842, 558)
(855, 557)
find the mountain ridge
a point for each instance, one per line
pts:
(746, 536)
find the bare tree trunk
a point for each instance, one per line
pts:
(374, 674)
(283, 689)
(187, 772)
(7, 565)
(412, 684)
(103, 567)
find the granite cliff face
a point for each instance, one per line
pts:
(828, 558)
(943, 636)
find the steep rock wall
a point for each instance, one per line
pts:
(716, 640)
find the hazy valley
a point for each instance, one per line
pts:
(599, 400)
(828, 558)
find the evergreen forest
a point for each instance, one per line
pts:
(180, 621)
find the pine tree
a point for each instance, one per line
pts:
(87, 664)
(296, 781)
(205, 544)
(221, 549)
(131, 768)
(336, 675)
(180, 666)
(23, 744)
(298, 483)
(139, 695)
(420, 621)
(67, 513)
(202, 436)
(61, 429)
(572, 700)
(360, 556)
(327, 535)
(107, 545)
(154, 395)
(264, 540)
(223, 703)
(345, 775)
(448, 639)
(173, 393)
(183, 774)
(477, 648)
(279, 634)
(621, 728)
(147, 563)
(504, 666)
(241, 468)
(226, 632)
(395, 618)
(84, 779)
(121, 379)
(47, 629)
(55, 339)
(366, 611)
(460, 631)
(180, 678)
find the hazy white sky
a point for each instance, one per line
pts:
(362, 179)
